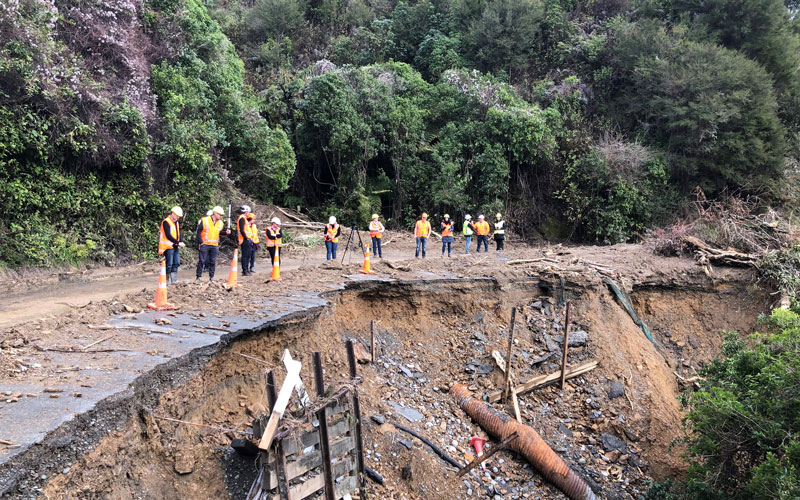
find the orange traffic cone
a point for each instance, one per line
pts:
(276, 267)
(366, 269)
(233, 275)
(161, 303)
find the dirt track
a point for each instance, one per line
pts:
(684, 322)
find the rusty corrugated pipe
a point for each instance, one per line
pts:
(528, 443)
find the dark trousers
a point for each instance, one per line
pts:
(173, 259)
(207, 260)
(272, 251)
(247, 251)
(485, 240)
(446, 244)
(376, 247)
(500, 241)
(253, 253)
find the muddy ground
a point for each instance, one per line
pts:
(438, 322)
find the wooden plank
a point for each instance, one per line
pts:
(501, 363)
(565, 348)
(541, 380)
(507, 383)
(322, 418)
(312, 460)
(279, 467)
(356, 432)
(292, 445)
(316, 483)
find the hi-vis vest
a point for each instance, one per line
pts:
(499, 227)
(209, 235)
(447, 228)
(239, 235)
(467, 231)
(332, 230)
(481, 228)
(272, 238)
(252, 232)
(174, 231)
(375, 228)
(422, 229)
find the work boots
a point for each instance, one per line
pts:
(174, 277)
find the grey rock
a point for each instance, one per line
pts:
(410, 414)
(479, 316)
(616, 389)
(485, 368)
(564, 430)
(612, 442)
(577, 338)
(405, 442)
(408, 373)
(378, 419)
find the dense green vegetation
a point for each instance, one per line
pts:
(745, 420)
(588, 119)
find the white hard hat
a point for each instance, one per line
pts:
(331, 220)
(177, 211)
(276, 220)
(209, 212)
(218, 210)
(446, 216)
(480, 216)
(499, 215)
(467, 217)
(374, 216)
(244, 208)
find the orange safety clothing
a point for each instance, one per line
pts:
(209, 235)
(174, 231)
(273, 240)
(239, 233)
(422, 229)
(447, 228)
(481, 228)
(332, 230)
(376, 229)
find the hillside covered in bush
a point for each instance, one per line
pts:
(591, 120)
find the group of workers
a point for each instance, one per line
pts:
(207, 236)
(209, 228)
(481, 229)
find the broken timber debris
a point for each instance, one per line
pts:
(501, 363)
(319, 455)
(543, 380)
(482, 458)
(528, 443)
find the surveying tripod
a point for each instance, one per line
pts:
(350, 239)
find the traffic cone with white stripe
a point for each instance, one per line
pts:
(276, 267)
(366, 269)
(233, 275)
(161, 303)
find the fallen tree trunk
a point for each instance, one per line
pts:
(528, 443)
(707, 254)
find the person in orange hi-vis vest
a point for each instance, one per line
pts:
(274, 239)
(207, 237)
(252, 233)
(331, 234)
(422, 230)
(447, 226)
(482, 232)
(169, 243)
(376, 230)
(244, 238)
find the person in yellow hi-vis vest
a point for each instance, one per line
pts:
(252, 234)
(169, 243)
(376, 230)
(422, 230)
(207, 237)
(274, 239)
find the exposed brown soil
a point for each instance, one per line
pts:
(440, 333)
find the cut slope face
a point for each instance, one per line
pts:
(430, 335)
